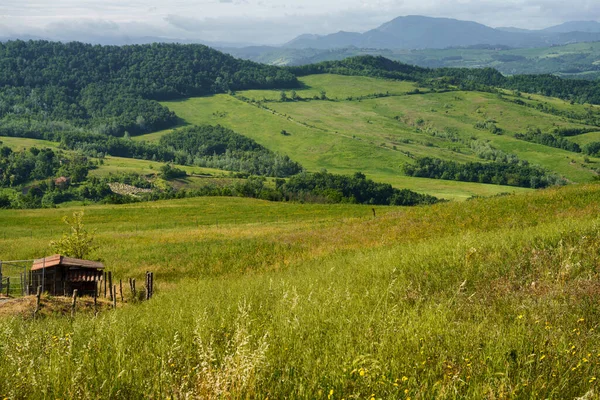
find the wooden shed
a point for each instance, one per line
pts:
(60, 275)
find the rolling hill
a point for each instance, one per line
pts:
(580, 60)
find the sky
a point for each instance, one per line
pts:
(263, 21)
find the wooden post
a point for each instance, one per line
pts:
(104, 279)
(7, 286)
(114, 298)
(147, 285)
(74, 304)
(96, 301)
(121, 289)
(151, 284)
(110, 285)
(133, 283)
(22, 284)
(38, 301)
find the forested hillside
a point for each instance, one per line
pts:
(401, 125)
(111, 89)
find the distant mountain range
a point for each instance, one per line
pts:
(419, 32)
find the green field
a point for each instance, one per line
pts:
(337, 87)
(490, 298)
(378, 136)
(16, 143)
(586, 138)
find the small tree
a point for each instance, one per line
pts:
(79, 243)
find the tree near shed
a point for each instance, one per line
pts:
(79, 242)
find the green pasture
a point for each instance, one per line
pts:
(490, 298)
(377, 136)
(16, 143)
(586, 138)
(336, 87)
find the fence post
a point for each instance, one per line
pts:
(114, 296)
(133, 288)
(121, 289)
(147, 285)
(110, 285)
(74, 304)
(96, 301)
(7, 286)
(38, 300)
(104, 279)
(24, 282)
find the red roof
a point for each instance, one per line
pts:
(58, 260)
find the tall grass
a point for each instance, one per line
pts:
(492, 298)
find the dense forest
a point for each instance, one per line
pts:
(222, 148)
(112, 89)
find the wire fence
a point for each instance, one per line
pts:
(15, 278)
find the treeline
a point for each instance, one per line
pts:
(547, 139)
(222, 148)
(307, 188)
(592, 149)
(319, 187)
(114, 89)
(333, 188)
(511, 174)
(379, 67)
(99, 145)
(485, 79)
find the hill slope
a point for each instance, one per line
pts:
(489, 298)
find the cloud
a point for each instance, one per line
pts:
(266, 21)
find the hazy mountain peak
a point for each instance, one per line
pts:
(575, 26)
(420, 32)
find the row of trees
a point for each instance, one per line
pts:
(547, 139)
(333, 188)
(512, 174)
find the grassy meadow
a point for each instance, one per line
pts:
(377, 136)
(490, 298)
